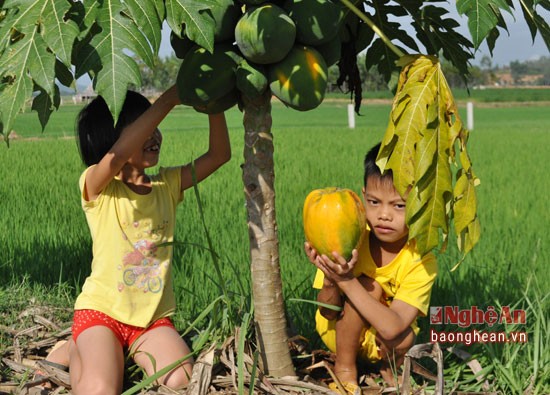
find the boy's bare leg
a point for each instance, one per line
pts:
(393, 354)
(348, 332)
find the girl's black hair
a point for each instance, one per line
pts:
(96, 131)
(371, 169)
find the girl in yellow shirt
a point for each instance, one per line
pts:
(127, 300)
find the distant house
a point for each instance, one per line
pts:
(504, 79)
(85, 96)
(532, 79)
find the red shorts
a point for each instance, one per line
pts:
(126, 334)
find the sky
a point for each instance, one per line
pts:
(517, 45)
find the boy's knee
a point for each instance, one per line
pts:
(350, 317)
(391, 349)
(329, 314)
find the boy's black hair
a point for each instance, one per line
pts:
(96, 131)
(371, 169)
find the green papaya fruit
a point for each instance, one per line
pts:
(300, 79)
(265, 34)
(220, 104)
(205, 76)
(225, 13)
(331, 51)
(251, 79)
(180, 45)
(317, 21)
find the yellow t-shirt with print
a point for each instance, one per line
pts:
(131, 276)
(408, 277)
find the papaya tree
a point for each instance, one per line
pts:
(243, 52)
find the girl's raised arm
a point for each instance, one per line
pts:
(219, 152)
(130, 141)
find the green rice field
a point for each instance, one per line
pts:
(44, 237)
(484, 95)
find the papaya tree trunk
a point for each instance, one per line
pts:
(258, 179)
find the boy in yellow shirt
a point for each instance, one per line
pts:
(382, 289)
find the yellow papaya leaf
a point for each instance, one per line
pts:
(465, 160)
(419, 147)
(468, 239)
(465, 203)
(433, 184)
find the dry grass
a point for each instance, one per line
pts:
(216, 370)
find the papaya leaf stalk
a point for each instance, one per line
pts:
(373, 26)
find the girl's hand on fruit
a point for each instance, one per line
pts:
(339, 269)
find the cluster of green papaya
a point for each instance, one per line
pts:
(284, 46)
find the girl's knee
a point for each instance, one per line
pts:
(179, 377)
(97, 386)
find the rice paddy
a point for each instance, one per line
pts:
(45, 239)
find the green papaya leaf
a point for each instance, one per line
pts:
(84, 16)
(482, 15)
(27, 60)
(535, 21)
(107, 53)
(148, 15)
(64, 75)
(59, 32)
(199, 25)
(44, 106)
(440, 37)
(35, 36)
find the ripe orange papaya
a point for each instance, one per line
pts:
(334, 220)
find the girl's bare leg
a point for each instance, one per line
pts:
(160, 347)
(97, 363)
(60, 353)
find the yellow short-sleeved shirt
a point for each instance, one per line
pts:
(408, 277)
(131, 279)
